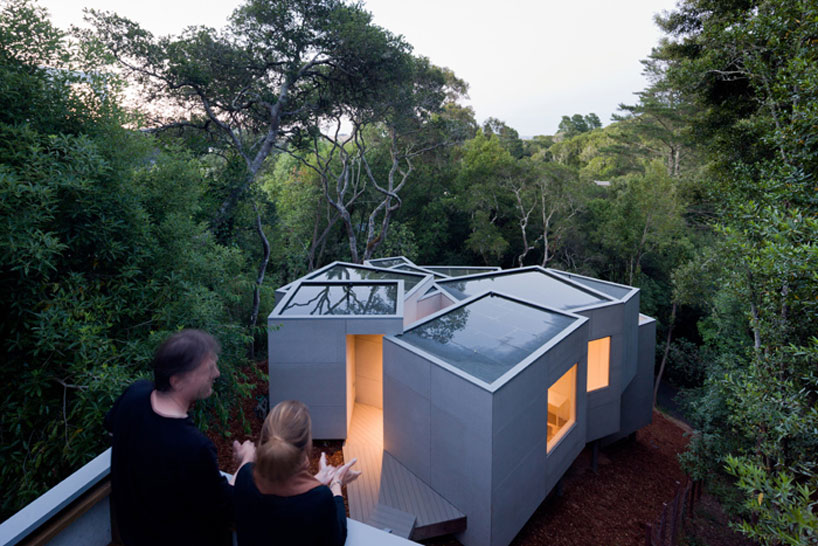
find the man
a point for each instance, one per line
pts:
(165, 480)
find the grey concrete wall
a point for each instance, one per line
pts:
(461, 450)
(574, 349)
(604, 404)
(630, 336)
(93, 528)
(432, 304)
(308, 362)
(637, 399)
(407, 408)
(411, 311)
(438, 425)
(521, 467)
(90, 528)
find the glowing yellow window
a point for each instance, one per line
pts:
(562, 406)
(599, 363)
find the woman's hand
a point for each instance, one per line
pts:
(244, 452)
(325, 471)
(344, 476)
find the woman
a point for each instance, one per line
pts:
(277, 500)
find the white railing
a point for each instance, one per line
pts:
(77, 512)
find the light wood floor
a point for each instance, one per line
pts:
(387, 482)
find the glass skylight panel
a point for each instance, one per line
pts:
(487, 337)
(352, 273)
(450, 271)
(416, 269)
(388, 262)
(534, 286)
(343, 299)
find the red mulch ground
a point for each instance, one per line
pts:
(224, 445)
(609, 508)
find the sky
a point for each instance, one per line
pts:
(527, 62)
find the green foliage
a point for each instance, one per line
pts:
(576, 124)
(782, 511)
(104, 256)
(750, 69)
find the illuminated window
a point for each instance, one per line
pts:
(562, 406)
(599, 363)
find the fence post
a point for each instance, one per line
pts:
(662, 524)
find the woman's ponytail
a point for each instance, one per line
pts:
(285, 441)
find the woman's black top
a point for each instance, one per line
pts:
(312, 518)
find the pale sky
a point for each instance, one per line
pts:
(527, 62)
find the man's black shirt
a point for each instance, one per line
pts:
(165, 480)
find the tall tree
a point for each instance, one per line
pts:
(405, 119)
(276, 66)
(752, 68)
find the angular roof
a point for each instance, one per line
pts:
(612, 289)
(532, 284)
(489, 335)
(340, 271)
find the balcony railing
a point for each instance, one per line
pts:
(77, 512)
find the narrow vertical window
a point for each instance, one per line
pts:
(562, 406)
(599, 363)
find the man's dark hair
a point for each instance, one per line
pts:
(181, 353)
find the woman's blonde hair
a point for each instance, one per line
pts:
(285, 441)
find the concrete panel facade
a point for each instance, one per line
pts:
(309, 360)
(630, 335)
(482, 447)
(461, 454)
(411, 310)
(485, 452)
(603, 404)
(637, 398)
(407, 408)
(521, 465)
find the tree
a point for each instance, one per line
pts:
(661, 117)
(273, 68)
(509, 138)
(576, 124)
(751, 69)
(404, 120)
(103, 256)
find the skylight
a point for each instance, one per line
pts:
(487, 337)
(343, 299)
(531, 285)
(340, 272)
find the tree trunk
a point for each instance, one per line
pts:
(260, 279)
(667, 350)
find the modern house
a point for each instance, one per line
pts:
(465, 392)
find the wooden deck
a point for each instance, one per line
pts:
(388, 495)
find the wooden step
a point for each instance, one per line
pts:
(392, 520)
